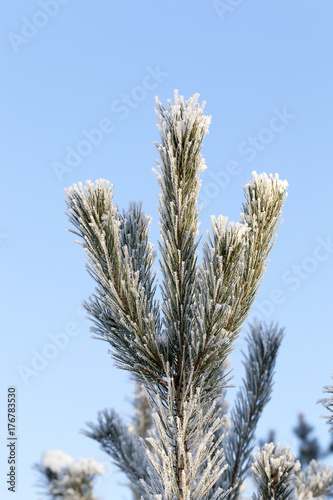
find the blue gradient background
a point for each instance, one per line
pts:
(258, 57)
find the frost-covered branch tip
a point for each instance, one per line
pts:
(234, 262)
(120, 259)
(274, 470)
(266, 184)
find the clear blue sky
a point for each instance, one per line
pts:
(265, 70)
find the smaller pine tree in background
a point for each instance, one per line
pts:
(63, 478)
(310, 448)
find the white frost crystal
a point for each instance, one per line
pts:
(56, 460)
(61, 463)
(234, 231)
(267, 183)
(184, 113)
(86, 466)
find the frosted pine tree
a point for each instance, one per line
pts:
(176, 350)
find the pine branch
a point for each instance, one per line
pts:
(263, 344)
(264, 199)
(142, 421)
(120, 260)
(182, 128)
(234, 261)
(217, 276)
(273, 471)
(123, 446)
(203, 461)
(315, 481)
(328, 404)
